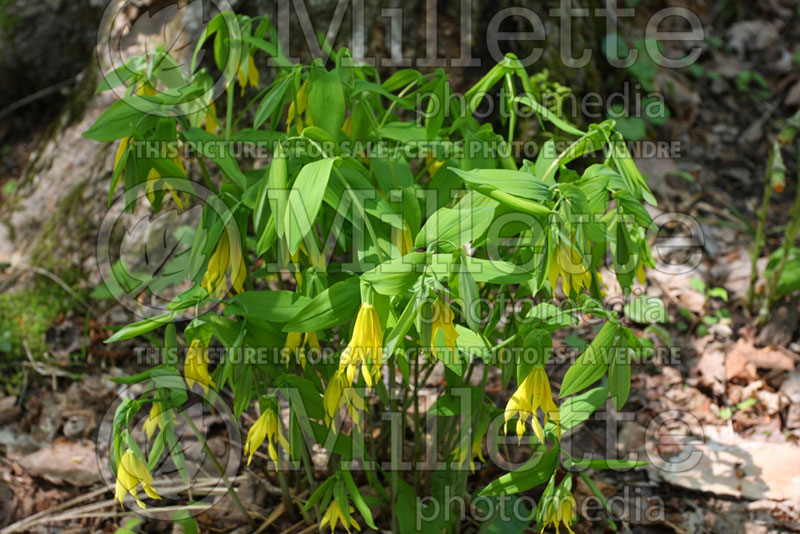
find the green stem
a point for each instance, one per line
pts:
(393, 475)
(229, 111)
(788, 240)
(758, 243)
(219, 468)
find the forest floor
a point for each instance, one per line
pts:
(729, 389)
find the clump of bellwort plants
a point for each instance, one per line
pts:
(368, 251)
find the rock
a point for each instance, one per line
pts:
(728, 465)
(64, 462)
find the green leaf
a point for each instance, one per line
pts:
(532, 473)
(278, 195)
(575, 410)
(273, 186)
(548, 115)
(334, 306)
(549, 317)
(592, 364)
(140, 327)
(395, 277)
(305, 199)
(272, 306)
(633, 208)
(358, 500)
(271, 101)
(483, 270)
(619, 374)
(122, 118)
(186, 520)
(451, 228)
(468, 291)
(217, 150)
(646, 310)
(517, 183)
(326, 103)
(603, 463)
(320, 492)
(720, 292)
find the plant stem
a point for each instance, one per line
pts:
(219, 467)
(393, 474)
(229, 111)
(788, 240)
(758, 243)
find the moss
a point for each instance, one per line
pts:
(67, 225)
(28, 315)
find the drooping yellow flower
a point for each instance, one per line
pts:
(227, 256)
(531, 395)
(340, 391)
(155, 419)
(559, 509)
(212, 125)
(196, 367)
(123, 145)
(152, 178)
(268, 427)
(131, 472)
(462, 453)
(296, 343)
(443, 320)
(640, 273)
(335, 514)
(433, 165)
(146, 89)
(347, 126)
(401, 238)
(302, 104)
(250, 77)
(568, 264)
(366, 347)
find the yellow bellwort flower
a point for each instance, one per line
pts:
(568, 264)
(296, 343)
(252, 74)
(340, 391)
(531, 395)
(298, 109)
(227, 255)
(335, 514)
(559, 510)
(153, 176)
(401, 238)
(366, 347)
(462, 454)
(640, 273)
(196, 367)
(347, 126)
(131, 472)
(155, 419)
(443, 320)
(211, 122)
(267, 427)
(146, 89)
(123, 146)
